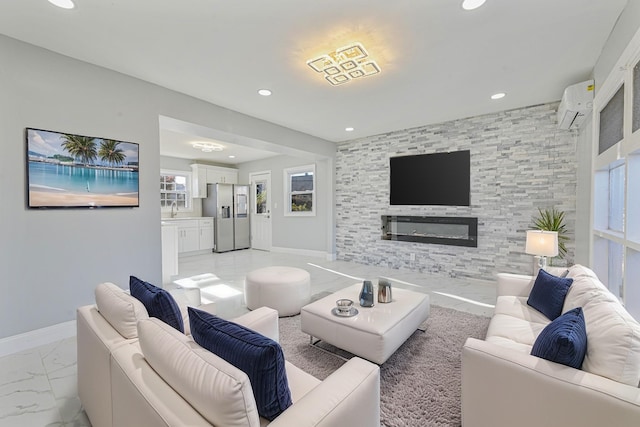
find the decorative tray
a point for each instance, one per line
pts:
(351, 312)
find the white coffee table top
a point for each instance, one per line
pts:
(377, 319)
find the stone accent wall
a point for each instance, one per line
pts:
(520, 161)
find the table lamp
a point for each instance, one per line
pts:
(542, 244)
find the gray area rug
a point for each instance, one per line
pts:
(419, 384)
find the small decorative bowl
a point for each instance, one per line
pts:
(344, 305)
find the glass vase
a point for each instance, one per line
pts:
(366, 294)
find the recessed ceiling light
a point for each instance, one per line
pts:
(472, 4)
(232, 157)
(498, 95)
(65, 4)
(264, 92)
(349, 129)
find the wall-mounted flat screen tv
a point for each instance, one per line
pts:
(75, 171)
(431, 179)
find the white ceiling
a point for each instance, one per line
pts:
(439, 62)
(180, 145)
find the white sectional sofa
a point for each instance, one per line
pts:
(504, 385)
(118, 387)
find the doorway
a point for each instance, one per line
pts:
(261, 210)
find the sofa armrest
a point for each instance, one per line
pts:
(348, 397)
(263, 320)
(96, 339)
(501, 386)
(514, 284)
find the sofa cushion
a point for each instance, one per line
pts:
(564, 340)
(158, 302)
(514, 329)
(586, 289)
(548, 294)
(578, 270)
(120, 309)
(215, 388)
(516, 306)
(613, 336)
(260, 357)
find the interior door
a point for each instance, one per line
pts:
(261, 210)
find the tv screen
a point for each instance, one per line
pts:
(431, 179)
(75, 171)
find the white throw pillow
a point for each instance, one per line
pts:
(613, 336)
(219, 391)
(585, 289)
(120, 309)
(613, 342)
(578, 270)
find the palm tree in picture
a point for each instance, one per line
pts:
(109, 152)
(82, 148)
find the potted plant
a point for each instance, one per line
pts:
(553, 220)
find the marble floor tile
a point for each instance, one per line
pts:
(72, 413)
(38, 387)
(26, 398)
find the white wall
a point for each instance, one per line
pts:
(51, 260)
(304, 233)
(625, 28)
(584, 154)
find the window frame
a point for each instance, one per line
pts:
(615, 251)
(188, 192)
(288, 173)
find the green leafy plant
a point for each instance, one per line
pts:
(553, 220)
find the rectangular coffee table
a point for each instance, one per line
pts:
(375, 333)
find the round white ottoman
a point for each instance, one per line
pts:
(285, 289)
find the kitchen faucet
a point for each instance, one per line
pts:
(173, 214)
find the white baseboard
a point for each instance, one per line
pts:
(36, 338)
(306, 252)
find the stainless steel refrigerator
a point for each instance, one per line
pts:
(228, 204)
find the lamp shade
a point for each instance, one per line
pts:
(542, 243)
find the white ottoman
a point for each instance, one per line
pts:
(375, 333)
(285, 289)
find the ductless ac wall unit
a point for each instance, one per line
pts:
(576, 104)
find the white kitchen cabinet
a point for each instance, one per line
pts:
(206, 174)
(205, 230)
(198, 181)
(222, 176)
(193, 234)
(188, 235)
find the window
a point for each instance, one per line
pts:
(616, 199)
(612, 122)
(175, 187)
(300, 191)
(616, 182)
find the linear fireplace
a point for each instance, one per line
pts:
(441, 230)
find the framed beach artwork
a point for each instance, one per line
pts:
(75, 171)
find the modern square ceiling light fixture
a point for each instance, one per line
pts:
(207, 147)
(345, 64)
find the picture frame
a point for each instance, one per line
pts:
(66, 170)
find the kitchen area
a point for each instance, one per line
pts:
(223, 223)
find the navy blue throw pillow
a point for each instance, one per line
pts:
(158, 302)
(259, 357)
(548, 294)
(564, 340)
